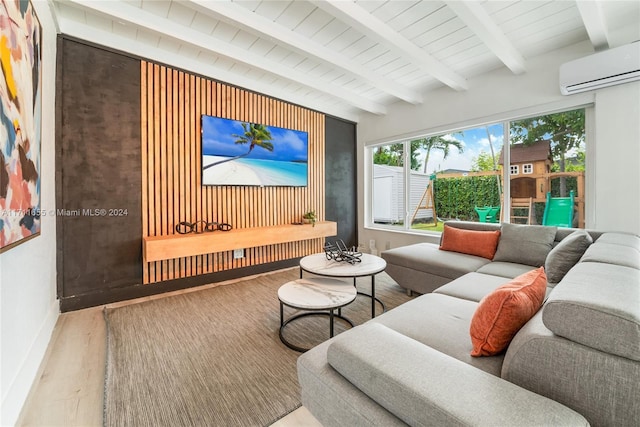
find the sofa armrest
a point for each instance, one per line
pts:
(423, 386)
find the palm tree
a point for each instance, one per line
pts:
(493, 158)
(254, 134)
(438, 143)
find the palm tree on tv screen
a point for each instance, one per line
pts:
(254, 135)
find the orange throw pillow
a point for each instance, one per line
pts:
(471, 242)
(502, 313)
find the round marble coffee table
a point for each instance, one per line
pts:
(318, 296)
(369, 265)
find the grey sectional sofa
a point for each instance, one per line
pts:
(576, 362)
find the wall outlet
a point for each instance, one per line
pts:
(238, 253)
(372, 244)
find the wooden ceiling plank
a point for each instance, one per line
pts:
(442, 18)
(478, 20)
(261, 47)
(224, 32)
(180, 14)
(204, 23)
(100, 22)
(160, 8)
(264, 27)
(540, 18)
(159, 25)
(444, 35)
(170, 45)
(390, 10)
(333, 30)
(244, 40)
(293, 15)
(312, 24)
(141, 49)
(269, 9)
(413, 15)
(563, 21)
(374, 28)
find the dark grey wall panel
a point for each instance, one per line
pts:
(98, 164)
(340, 178)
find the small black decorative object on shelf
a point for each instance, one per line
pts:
(339, 252)
(197, 227)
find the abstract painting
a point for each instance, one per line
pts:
(20, 122)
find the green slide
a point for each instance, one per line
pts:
(558, 211)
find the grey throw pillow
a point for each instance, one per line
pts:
(566, 254)
(525, 244)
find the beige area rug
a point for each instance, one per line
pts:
(214, 357)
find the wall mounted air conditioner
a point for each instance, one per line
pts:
(607, 68)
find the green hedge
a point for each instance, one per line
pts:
(572, 184)
(458, 197)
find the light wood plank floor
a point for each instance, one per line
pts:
(69, 387)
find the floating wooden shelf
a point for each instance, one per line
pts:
(157, 248)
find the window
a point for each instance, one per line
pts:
(388, 185)
(420, 182)
(554, 143)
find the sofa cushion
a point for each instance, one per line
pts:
(566, 254)
(602, 387)
(332, 399)
(611, 253)
(562, 233)
(479, 243)
(423, 386)
(429, 258)
(598, 305)
(505, 269)
(441, 322)
(470, 225)
(622, 239)
(504, 311)
(525, 244)
(472, 286)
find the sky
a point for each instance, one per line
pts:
(218, 139)
(474, 141)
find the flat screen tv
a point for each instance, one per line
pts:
(244, 153)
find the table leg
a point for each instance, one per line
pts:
(281, 314)
(331, 323)
(373, 296)
(301, 272)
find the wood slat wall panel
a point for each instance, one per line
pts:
(172, 104)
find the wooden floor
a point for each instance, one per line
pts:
(69, 387)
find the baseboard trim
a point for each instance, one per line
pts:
(18, 391)
(108, 296)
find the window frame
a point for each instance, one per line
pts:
(590, 164)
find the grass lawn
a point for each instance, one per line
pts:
(429, 227)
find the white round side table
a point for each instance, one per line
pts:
(318, 296)
(369, 265)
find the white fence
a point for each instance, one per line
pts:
(388, 194)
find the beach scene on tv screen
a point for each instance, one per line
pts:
(244, 153)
